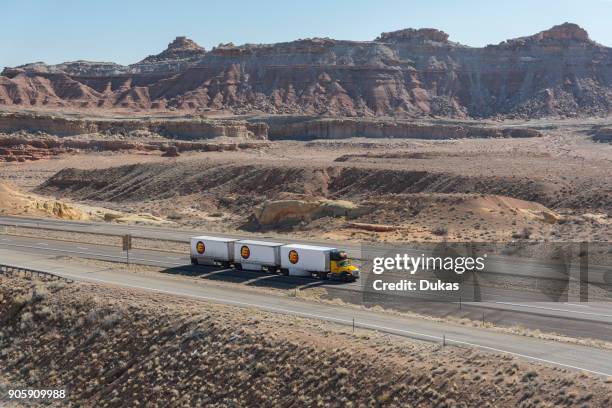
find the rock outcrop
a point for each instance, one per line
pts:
(406, 73)
(567, 34)
(184, 129)
(14, 202)
(171, 151)
(304, 128)
(277, 212)
(603, 135)
(422, 35)
(180, 54)
(180, 48)
(22, 148)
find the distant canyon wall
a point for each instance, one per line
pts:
(403, 74)
(256, 128)
(187, 129)
(282, 128)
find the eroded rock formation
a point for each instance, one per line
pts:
(185, 129)
(406, 73)
(21, 148)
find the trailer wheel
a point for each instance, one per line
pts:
(284, 271)
(238, 266)
(194, 261)
(322, 275)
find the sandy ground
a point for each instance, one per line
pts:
(555, 187)
(122, 346)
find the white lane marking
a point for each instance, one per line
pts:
(335, 319)
(91, 253)
(329, 318)
(576, 304)
(42, 243)
(554, 309)
(83, 248)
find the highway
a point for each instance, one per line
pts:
(502, 307)
(514, 266)
(569, 356)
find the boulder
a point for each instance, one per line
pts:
(171, 151)
(274, 212)
(277, 212)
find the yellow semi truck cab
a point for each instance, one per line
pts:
(341, 266)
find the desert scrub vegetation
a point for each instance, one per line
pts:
(112, 347)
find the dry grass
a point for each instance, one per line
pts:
(121, 347)
(321, 294)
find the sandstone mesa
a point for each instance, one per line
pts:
(403, 74)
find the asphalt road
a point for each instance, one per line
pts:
(515, 266)
(502, 306)
(575, 357)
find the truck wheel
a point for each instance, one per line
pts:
(344, 277)
(194, 261)
(322, 275)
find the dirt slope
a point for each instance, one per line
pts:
(15, 202)
(116, 347)
(414, 204)
(157, 180)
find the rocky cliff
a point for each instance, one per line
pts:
(406, 73)
(183, 129)
(305, 128)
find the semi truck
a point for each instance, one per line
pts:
(287, 259)
(257, 255)
(215, 251)
(323, 262)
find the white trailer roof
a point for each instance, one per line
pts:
(219, 239)
(312, 247)
(261, 243)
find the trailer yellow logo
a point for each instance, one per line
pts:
(200, 247)
(293, 256)
(245, 252)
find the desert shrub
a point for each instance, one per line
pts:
(440, 231)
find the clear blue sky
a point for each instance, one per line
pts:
(126, 31)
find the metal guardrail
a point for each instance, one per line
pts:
(102, 234)
(12, 270)
(119, 236)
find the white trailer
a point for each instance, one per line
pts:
(206, 250)
(305, 260)
(257, 255)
